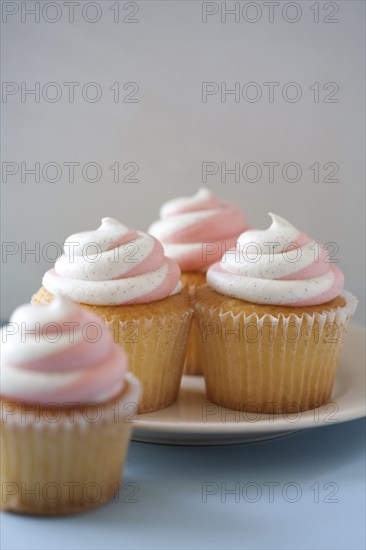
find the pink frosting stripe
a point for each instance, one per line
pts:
(225, 223)
(219, 275)
(277, 266)
(82, 354)
(128, 237)
(125, 267)
(206, 253)
(170, 279)
(81, 364)
(207, 202)
(151, 263)
(94, 381)
(328, 295)
(187, 225)
(315, 269)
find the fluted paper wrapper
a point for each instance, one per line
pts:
(156, 351)
(193, 362)
(57, 461)
(271, 364)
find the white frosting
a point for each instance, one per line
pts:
(271, 265)
(109, 233)
(113, 265)
(102, 293)
(14, 350)
(176, 250)
(189, 227)
(51, 352)
(279, 266)
(177, 223)
(108, 264)
(22, 381)
(56, 311)
(263, 291)
(202, 196)
(22, 339)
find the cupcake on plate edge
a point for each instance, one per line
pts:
(272, 320)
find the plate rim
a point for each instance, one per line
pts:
(241, 427)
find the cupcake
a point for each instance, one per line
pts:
(272, 320)
(66, 403)
(123, 276)
(196, 231)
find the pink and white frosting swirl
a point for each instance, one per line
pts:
(278, 266)
(60, 353)
(197, 230)
(113, 265)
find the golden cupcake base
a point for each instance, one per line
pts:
(269, 358)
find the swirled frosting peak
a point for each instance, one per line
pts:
(59, 353)
(277, 266)
(196, 231)
(113, 265)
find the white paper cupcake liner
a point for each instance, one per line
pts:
(65, 466)
(156, 356)
(272, 364)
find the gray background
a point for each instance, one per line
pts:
(169, 132)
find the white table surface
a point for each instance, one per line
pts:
(170, 512)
